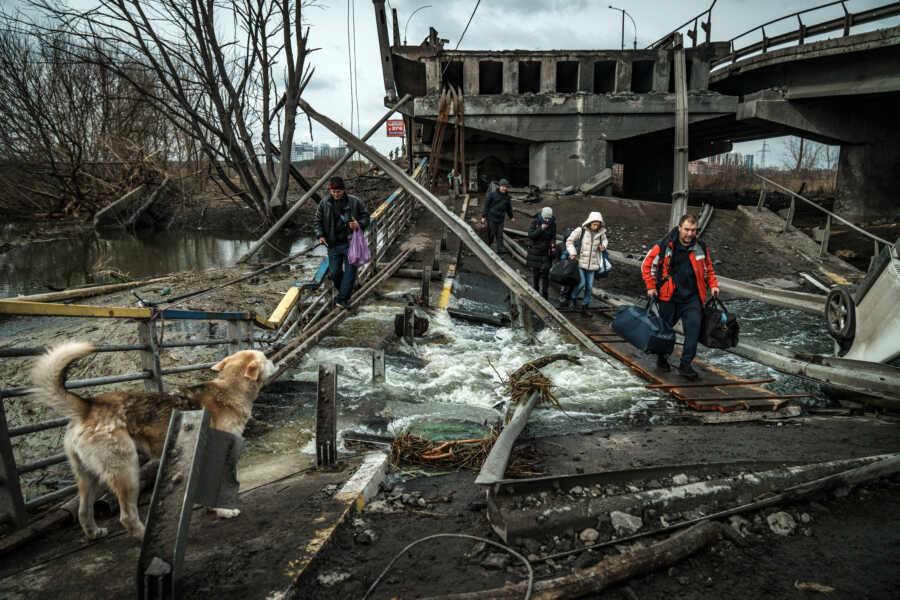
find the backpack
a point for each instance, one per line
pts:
(567, 232)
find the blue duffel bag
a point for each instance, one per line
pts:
(644, 329)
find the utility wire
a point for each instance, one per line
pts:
(355, 70)
(350, 64)
(469, 22)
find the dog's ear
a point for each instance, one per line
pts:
(221, 364)
(251, 371)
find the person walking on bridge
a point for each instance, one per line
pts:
(497, 205)
(542, 234)
(679, 272)
(336, 218)
(586, 245)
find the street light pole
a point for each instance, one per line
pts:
(410, 17)
(623, 11)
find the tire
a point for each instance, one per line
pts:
(840, 317)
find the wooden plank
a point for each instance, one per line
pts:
(286, 304)
(707, 395)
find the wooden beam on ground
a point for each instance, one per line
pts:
(87, 292)
(321, 181)
(286, 304)
(507, 275)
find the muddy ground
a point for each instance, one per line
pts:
(847, 540)
(851, 542)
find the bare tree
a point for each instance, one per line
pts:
(801, 155)
(228, 75)
(73, 135)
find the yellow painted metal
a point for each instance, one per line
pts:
(286, 304)
(376, 214)
(46, 309)
(263, 322)
(836, 278)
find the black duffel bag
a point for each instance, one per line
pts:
(644, 329)
(565, 272)
(719, 328)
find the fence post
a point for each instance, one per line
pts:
(409, 321)
(426, 287)
(150, 356)
(238, 332)
(790, 216)
(12, 506)
(762, 197)
(378, 366)
(373, 245)
(326, 416)
(826, 234)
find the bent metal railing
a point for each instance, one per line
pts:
(294, 316)
(805, 31)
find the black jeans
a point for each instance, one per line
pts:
(540, 279)
(691, 314)
(495, 233)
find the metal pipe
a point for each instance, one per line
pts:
(17, 431)
(79, 383)
(40, 464)
(51, 497)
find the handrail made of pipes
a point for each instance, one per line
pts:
(794, 194)
(805, 31)
(387, 221)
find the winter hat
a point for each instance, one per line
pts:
(546, 212)
(503, 182)
(594, 216)
(336, 183)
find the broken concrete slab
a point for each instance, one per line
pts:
(597, 182)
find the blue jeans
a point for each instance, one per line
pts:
(586, 282)
(691, 315)
(343, 274)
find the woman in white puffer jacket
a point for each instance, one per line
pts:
(592, 239)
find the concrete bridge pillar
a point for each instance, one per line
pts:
(868, 181)
(559, 164)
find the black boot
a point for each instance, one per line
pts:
(686, 370)
(662, 363)
(584, 311)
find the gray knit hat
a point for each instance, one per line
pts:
(546, 212)
(503, 182)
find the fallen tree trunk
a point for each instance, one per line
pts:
(611, 569)
(87, 292)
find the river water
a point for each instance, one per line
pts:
(56, 264)
(447, 386)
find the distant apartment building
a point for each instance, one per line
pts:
(306, 151)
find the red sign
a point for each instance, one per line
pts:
(395, 128)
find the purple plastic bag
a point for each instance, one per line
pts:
(358, 254)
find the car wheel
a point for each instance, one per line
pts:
(840, 316)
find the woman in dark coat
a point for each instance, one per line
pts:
(542, 234)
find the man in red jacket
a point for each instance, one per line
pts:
(679, 272)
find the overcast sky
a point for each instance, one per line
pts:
(519, 24)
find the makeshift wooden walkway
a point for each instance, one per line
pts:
(716, 389)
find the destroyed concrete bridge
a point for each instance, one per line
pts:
(557, 117)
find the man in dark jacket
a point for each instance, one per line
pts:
(542, 234)
(497, 205)
(336, 218)
(679, 272)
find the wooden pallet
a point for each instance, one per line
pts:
(715, 390)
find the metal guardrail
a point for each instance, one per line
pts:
(804, 31)
(826, 235)
(692, 32)
(294, 316)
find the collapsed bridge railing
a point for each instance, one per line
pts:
(305, 319)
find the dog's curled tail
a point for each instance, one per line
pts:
(49, 373)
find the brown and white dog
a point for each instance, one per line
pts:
(107, 433)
